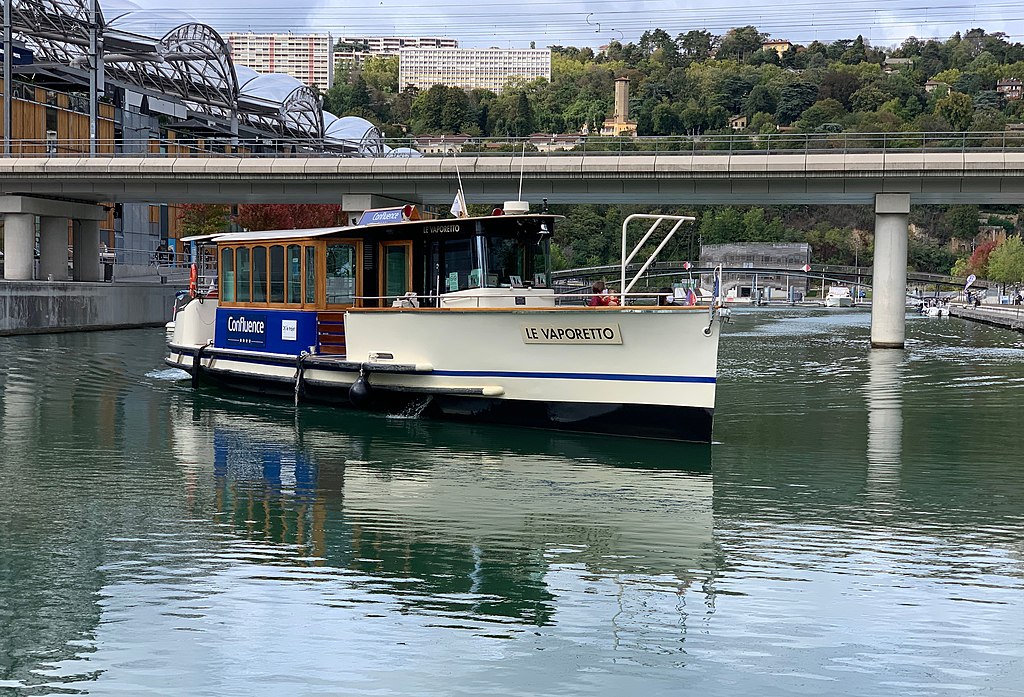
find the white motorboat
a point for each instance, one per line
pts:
(839, 296)
(456, 316)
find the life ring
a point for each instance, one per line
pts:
(193, 281)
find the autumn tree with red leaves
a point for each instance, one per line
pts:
(978, 263)
(288, 216)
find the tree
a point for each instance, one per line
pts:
(202, 218)
(960, 222)
(695, 45)
(957, 108)
(978, 263)
(1006, 262)
(381, 73)
(274, 216)
(760, 99)
(794, 98)
(839, 85)
(740, 43)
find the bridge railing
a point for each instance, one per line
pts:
(536, 146)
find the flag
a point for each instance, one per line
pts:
(970, 279)
(691, 297)
(458, 208)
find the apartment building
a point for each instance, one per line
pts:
(351, 51)
(313, 58)
(471, 68)
(306, 57)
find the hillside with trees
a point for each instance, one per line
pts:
(690, 84)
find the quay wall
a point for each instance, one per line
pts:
(1007, 317)
(30, 307)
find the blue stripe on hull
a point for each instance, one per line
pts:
(623, 377)
(615, 377)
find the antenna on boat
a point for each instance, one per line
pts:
(519, 206)
(522, 165)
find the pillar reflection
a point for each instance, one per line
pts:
(884, 394)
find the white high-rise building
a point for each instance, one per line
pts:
(471, 68)
(306, 57)
(309, 57)
(351, 51)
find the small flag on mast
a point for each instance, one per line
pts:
(459, 205)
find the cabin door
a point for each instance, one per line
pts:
(344, 277)
(395, 270)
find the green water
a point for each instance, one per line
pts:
(857, 529)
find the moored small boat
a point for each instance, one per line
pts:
(839, 296)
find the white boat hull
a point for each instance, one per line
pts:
(634, 371)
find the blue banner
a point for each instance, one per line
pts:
(246, 329)
(382, 216)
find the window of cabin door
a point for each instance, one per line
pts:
(395, 270)
(344, 273)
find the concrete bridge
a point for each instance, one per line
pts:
(890, 179)
(719, 178)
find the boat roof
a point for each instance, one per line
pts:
(259, 235)
(268, 235)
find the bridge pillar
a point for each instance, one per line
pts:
(53, 248)
(19, 246)
(889, 299)
(85, 255)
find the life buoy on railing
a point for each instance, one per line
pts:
(193, 281)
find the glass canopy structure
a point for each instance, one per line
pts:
(166, 54)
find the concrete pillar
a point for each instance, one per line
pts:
(19, 246)
(53, 248)
(889, 297)
(85, 255)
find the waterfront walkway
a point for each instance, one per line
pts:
(1006, 316)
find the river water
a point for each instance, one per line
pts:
(857, 529)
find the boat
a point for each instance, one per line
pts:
(937, 311)
(452, 318)
(839, 296)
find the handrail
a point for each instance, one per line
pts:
(478, 296)
(658, 220)
(715, 145)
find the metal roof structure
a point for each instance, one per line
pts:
(165, 53)
(354, 135)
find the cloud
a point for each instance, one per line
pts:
(598, 22)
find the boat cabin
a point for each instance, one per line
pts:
(282, 284)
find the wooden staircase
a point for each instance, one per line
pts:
(330, 330)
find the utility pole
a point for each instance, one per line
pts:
(8, 58)
(95, 72)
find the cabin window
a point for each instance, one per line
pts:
(541, 253)
(459, 266)
(259, 274)
(242, 278)
(227, 275)
(294, 265)
(396, 265)
(504, 260)
(277, 274)
(341, 274)
(310, 275)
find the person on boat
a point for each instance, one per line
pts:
(600, 297)
(666, 297)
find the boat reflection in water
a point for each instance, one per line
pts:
(474, 522)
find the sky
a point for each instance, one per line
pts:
(596, 23)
